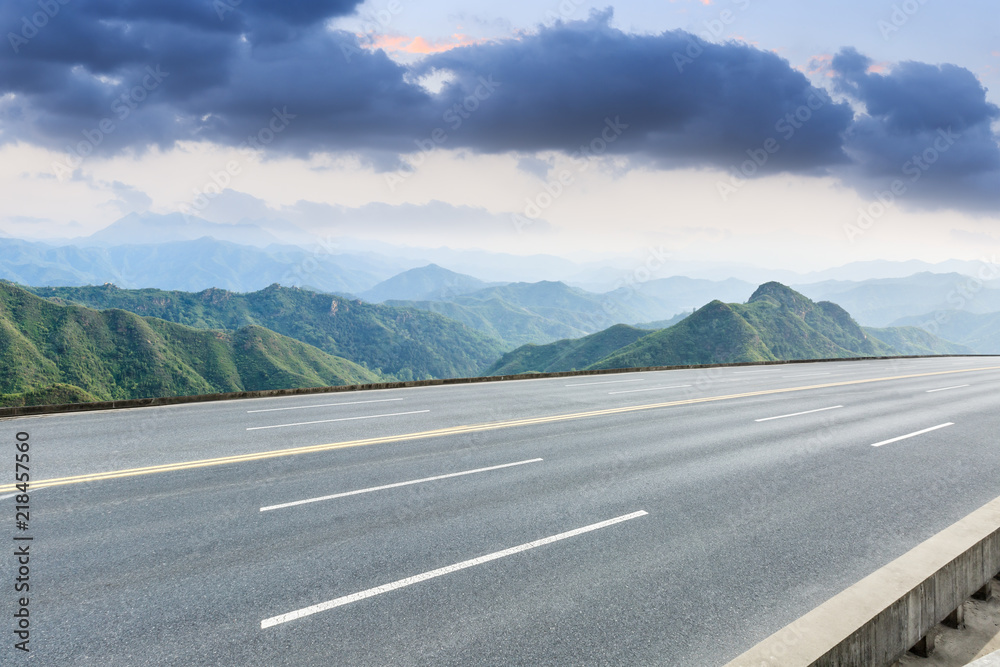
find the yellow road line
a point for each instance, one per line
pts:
(454, 430)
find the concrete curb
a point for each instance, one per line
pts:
(991, 660)
(25, 411)
(875, 621)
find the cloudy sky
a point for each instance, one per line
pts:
(787, 134)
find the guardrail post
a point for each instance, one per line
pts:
(956, 619)
(925, 646)
(984, 592)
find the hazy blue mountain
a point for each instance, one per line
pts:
(545, 311)
(520, 313)
(914, 340)
(979, 331)
(878, 303)
(514, 325)
(149, 228)
(679, 294)
(189, 266)
(662, 324)
(426, 283)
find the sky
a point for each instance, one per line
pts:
(791, 135)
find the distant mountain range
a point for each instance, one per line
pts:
(146, 228)
(908, 340)
(544, 311)
(189, 265)
(426, 283)
(403, 343)
(592, 274)
(64, 344)
(53, 353)
(777, 323)
(979, 331)
(879, 303)
(520, 313)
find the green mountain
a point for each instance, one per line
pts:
(566, 355)
(540, 312)
(777, 323)
(405, 343)
(980, 332)
(914, 340)
(427, 283)
(64, 353)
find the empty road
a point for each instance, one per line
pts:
(673, 517)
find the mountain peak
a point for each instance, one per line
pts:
(430, 283)
(782, 294)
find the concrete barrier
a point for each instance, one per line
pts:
(874, 622)
(28, 410)
(991, 660)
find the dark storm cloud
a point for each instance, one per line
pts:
(927, 127)
(686, 102)
(224, 68)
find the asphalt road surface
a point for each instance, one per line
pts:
(674, 517)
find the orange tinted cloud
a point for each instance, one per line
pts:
(419, 45)
(820, 64)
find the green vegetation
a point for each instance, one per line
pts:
(404, 343)
(777, 323)
(65, 353)
(566, 355)
(540, 312)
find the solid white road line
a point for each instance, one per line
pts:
(342, 419)
(910, 435)
(805, 375)
(323, 405)
(409, 581)
(796, 414)
(396, 485)
(632, 391)
(958, 386)
(769, 370)
(585, 384)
